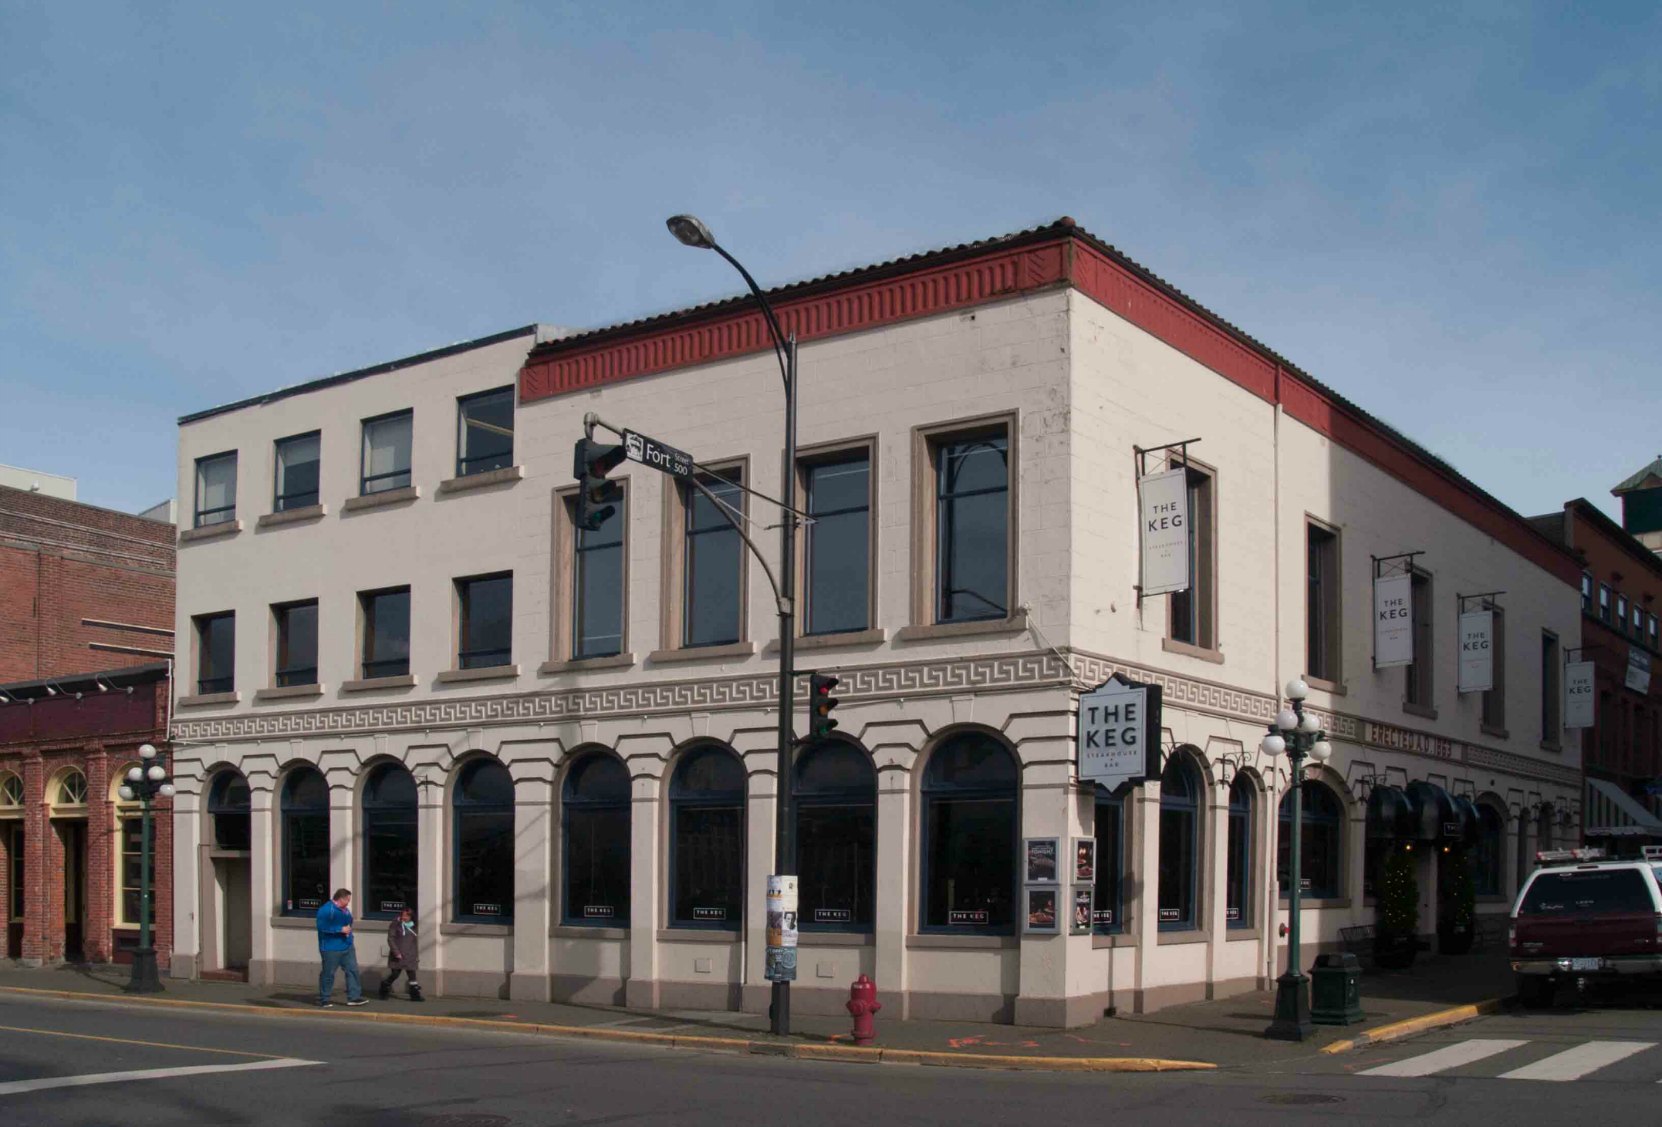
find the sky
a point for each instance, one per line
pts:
(1448, 213)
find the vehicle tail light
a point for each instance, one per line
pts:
(1512, 934)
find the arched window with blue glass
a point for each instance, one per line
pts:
(1322, 838)
(304, 805)
(228, 809)
(971, 834)
(390, 854)
(483, 834)
(1237, 907)
(595, 820)
(1179, 843)
(1108, 901)
(706, 815)
(835, 795)
(1491, 849)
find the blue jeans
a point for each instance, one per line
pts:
(347, 961)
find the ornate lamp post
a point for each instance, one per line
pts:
(146, 782)
(1298, 734)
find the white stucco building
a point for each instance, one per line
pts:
(408, 675)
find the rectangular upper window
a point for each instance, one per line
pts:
(485, 432)
(1586, 593)
(1604, 603)
(485, 623)
(386, 459)
(296, 643)
(1420, 673)
(712, 611)
(836, 562)
(597, 574)
(386, 632)
(1494, 700)
(1321, 607)
(216, 489)
(216, 652)
(1191, 612)
(972, 525)
(1651, 632)
(298, 459)
(1621, 613)
(1550, 687)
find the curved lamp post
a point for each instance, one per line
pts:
(1297, 735)
(146, 782)
(691, 231)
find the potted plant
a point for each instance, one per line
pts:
(1397, 930)
(1457, 910)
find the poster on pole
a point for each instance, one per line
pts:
(1638, 670)
(1393, 621)
(1477, 651)
(1118, 738)
(1164, 501)
(1578, 694)
(781, 929)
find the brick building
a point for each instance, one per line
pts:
(86, 642)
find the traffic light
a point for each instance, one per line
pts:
(820, 704)
(595, 495)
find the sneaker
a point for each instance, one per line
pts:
(326, 1005)
(357, 1001)
(385, 991)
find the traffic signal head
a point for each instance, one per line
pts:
(596, 496)
(820, 704)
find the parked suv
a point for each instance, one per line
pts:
(1579, 916)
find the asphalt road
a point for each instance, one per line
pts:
(211, 1067)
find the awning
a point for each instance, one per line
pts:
(1611, 812)
(1435, 818)
(1390, 817)
(1471, 823)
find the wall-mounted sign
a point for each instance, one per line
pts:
(1084, 860)
(1103, 917)
(1638, 670)
(392, 906)
(1578, 694)
(1164, 501)
(1477, 651)
(1081, 922)
(487, 909)
(598, 911)
(971, 917)
(1119, 732)
(709, 913)
(1041, 859)
(1393, 621)
(1041, 910)
(832, 915)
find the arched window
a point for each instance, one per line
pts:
(228, 811)
(390, 853)
(971, 834)
(706, 816)
(484, 857)
(72, 790)
(1491, 847)
(305, 808)
(1322, 856)
(596, 824)
(1543, 827)
(1237, 906)
(1179, 844)
(11, 791)
(835, 790)
(1108, 899)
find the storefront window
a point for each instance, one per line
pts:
(484, 857)
(707, 839)
(1108, 908)
(1179, 844)
(1237, 908)
(305, 809)
(836, 837)
(131, 842)
(389, 842)
(970, 836)
(1321, 858)
(228, 810)
(1491, 847)
(596, 819)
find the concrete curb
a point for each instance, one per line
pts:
(1397, 1030)
(854, 1054)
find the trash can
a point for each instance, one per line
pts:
(1335, 993)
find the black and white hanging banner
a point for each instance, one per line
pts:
(1638, 670)
(1578, 694)
(1477, 651)
(1165, 530)
(1393, 621)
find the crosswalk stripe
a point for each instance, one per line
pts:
(1453, 1056)
(1572, 1064)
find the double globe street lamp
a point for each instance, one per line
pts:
(146, 782)
(1298, 735)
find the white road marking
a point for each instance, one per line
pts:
(16, 1087)
(1572, 1064)
(1452, 1056)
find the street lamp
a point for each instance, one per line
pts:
(691, 230)
(145, 783)
(1298, 734)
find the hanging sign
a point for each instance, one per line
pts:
(781, 929)
(1393, 621)
(1477, 651)
(1638, 670)
(1119, 732)
(1165, 530)
(1578, 694)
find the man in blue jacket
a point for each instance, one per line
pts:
(334, 944)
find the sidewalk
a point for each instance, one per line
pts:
(1225, 1033)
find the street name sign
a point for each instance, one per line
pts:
(661, 456)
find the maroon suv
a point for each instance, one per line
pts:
(1586, 920)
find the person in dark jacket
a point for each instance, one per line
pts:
(403, 955)
(334, 945)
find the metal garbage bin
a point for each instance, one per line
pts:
(1335, 992)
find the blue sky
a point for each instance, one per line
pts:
(1450, 217)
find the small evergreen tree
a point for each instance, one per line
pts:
(1399, 895)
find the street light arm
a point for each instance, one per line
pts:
(767, 311)
(721, 507)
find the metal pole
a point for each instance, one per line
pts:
(145, 978)
(784, 835)
(1292, 997)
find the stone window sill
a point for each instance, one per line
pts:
(1316, 903)
(586, 664)
(210, 532)
(288, 692)
(204, 700)
(696, 935)
(1201, 653)
(488, 673)
(1424, 711)
(806, 938)
(1333, 688)
(702, 653)
(851, 638)
(933, 942)
(579, 931)
(1179, 938)
(1498, 733)
(370, 684)
(382, 499)
(502, 930)
(481, 480)
(292, 516)
(942, 631)
(1243, 934)
(1552, 746)
(1101, 942)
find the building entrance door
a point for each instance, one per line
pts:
(235, 910)
(73, 834)
(14, 888)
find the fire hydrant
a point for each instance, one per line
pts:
(863, 1004)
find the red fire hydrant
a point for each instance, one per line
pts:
(863, 1004)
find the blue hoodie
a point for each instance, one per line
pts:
(331, 920)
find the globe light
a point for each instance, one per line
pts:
(1286, 720)
(168, 790)
(1320, 751)
(134, 774)
(1309, 724)
(156, 773)
(1272, 746)
(1296, 689)
(126, 792)
(147, 751)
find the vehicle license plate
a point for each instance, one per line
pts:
(1586, 964)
